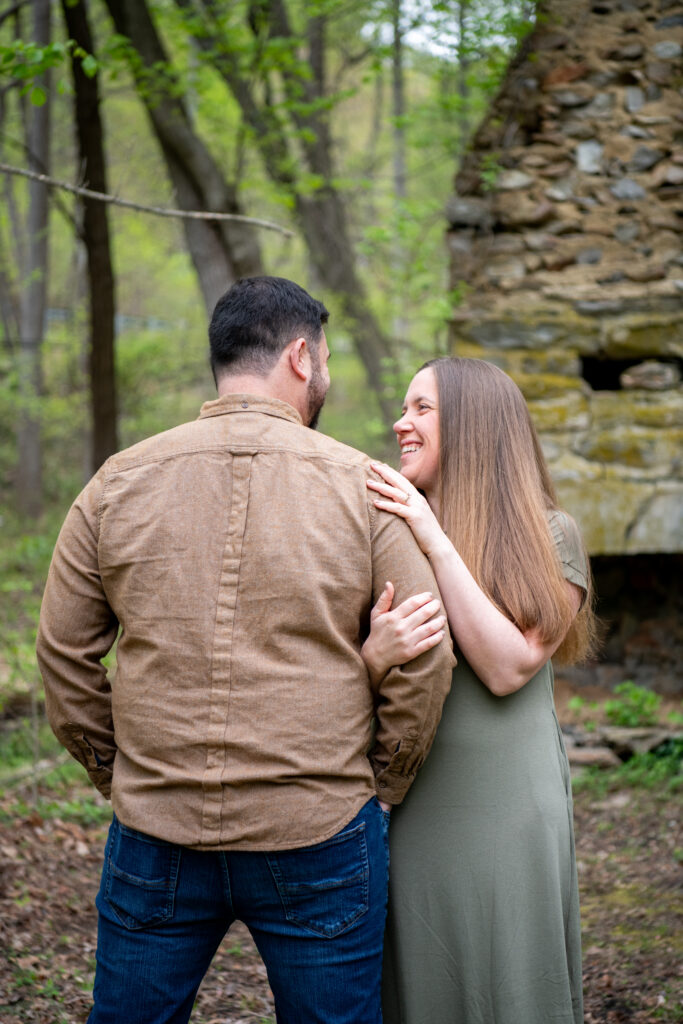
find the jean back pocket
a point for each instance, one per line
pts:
(324, 888)
(141, 877)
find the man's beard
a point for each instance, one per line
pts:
(317, 391)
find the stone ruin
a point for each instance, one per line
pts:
(565, 242)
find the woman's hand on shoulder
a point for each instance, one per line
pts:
(398, 495)
(400, 635)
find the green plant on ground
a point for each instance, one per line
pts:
(634, 706)
(660, 771)
(577, 704)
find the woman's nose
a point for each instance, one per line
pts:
(403, 423)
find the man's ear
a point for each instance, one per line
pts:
(299, 358)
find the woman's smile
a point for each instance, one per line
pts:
(418, 432)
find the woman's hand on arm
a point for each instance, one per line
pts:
(398, 495)
(400, 635)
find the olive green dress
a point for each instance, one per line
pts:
(483, 923)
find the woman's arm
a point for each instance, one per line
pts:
(503, 657)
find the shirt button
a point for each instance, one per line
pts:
(245, 405)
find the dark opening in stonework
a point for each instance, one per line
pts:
(606, 374)
(640, 603)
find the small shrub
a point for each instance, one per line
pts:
(633, 706)
(659, 770)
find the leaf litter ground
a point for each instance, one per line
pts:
(628, 848)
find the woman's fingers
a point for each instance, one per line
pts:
(414, 604)
(429, 642)
(384, 600)
(397, 507)
(392, 477)
(386, 489)
(422, 614)
(430, 628)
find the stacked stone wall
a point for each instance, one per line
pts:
(565, 239)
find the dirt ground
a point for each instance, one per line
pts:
(629, 852)
(628, 844)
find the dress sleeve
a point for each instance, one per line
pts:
(570, 549)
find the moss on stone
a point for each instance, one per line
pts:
(642, 334)
(659, 527)
(605, 511)
(619, 516)
(561, 361)
(547, 385)
(532, 327)
(646, 408)
(635, 446)
(567, 411)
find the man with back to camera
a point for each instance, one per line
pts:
(240, 554)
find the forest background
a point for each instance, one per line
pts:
(339, 122)
(339, 126)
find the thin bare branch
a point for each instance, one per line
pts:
(158, 211)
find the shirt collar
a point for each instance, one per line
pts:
(249, 403)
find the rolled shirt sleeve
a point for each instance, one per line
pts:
(77, 628)
(410, 698)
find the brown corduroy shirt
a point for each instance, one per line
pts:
(240, 556)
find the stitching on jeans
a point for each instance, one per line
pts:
(286, 892)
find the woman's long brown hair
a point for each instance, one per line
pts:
(494, 498)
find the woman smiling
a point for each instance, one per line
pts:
(483, 918)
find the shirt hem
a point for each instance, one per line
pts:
(245, 846)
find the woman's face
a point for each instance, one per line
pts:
(418, 432)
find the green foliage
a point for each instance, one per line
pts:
(577, 705)
(162, 371)
(490, 171)
(17, 745)
(24, 561)
(26, 62)
(633, 706)
(659, 771)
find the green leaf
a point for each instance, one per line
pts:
(38, 96)
(90, 66)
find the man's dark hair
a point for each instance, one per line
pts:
(257, 318)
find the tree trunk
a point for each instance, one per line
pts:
(101, 356)
(463, 88)
(399, 135)
(398, 103)
(33, 299)
(221, 251)
(9, 300)
(322, 215)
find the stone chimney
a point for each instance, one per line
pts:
(565, 244)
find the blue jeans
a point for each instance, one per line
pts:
(316, 915)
